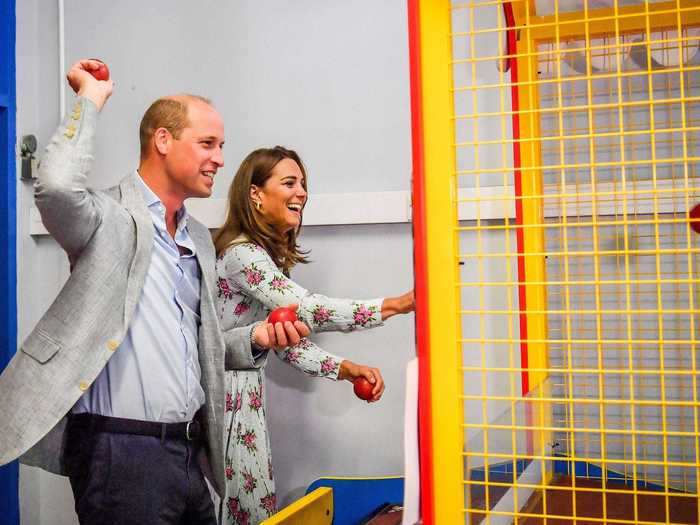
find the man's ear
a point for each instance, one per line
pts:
(162, 140)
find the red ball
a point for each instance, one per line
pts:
(363, 388)
(282, 314)
(102, 72)
(694, 216)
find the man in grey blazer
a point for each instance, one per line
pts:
(120, 385)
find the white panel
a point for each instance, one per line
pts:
(388, 207)
(384, 207)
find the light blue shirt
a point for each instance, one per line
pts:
(154, 375)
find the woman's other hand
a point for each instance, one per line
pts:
(351, 371)
(402, 304)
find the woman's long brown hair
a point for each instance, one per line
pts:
(242, 219)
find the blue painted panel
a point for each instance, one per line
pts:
(9, 505)
(355, 499)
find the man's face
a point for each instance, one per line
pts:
(193, 160)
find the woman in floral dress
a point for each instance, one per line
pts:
(256, 249)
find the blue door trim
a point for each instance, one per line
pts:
(9, 501)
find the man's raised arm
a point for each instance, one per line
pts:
(68, 209)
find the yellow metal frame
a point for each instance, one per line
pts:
(316, 508)
(442, 241)
(609, 21)
(442, 260)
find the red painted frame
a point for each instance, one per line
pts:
(511, 51)
(420, 271)
(420, 249)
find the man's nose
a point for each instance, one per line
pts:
(218, 157)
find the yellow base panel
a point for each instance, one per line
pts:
(315, 508)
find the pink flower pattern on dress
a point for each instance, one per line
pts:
(292, 356)
(249, 285)
(243, 517)
(240, 516)
(232, 506)
(253, 276)
(241, 308)
(224, 289)
(328, 366)
(247, 439)
(269, 503)
(321, 314)
(255, 399)
(249, 482)
(279, 284)
(362, 315)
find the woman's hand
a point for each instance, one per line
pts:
(402, 304)
(351, 371)
(280, 335)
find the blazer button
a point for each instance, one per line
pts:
(112, 344)
(83, 385)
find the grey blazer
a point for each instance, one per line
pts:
(108, 236)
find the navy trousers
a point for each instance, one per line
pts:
(125, 479)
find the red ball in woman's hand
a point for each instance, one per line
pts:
(282, 314)
(363, 388)
(694, 216)
(102, 72)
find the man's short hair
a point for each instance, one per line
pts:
(169, 113)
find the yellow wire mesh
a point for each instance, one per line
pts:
(609, 143)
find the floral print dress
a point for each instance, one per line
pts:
(249, 286)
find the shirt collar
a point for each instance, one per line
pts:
(157, 208)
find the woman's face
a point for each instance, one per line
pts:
(283, 196)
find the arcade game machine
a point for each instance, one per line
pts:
(556, 165)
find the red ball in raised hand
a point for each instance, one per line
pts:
(363, 388)
(282, 314)
(102, 72)
(694, 216)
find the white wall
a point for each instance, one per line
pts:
(327, 78)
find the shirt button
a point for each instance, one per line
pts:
(112, 344)
(83, 385)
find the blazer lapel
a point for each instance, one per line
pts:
(211, 346)
(202, 242)
(133, 202)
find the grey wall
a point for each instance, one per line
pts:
(327, 78)
(42, 267)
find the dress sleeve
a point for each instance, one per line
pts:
(251, 270)
(311, 359)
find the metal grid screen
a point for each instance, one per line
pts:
(575, 176)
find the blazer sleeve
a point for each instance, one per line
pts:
(69, 210)
(239, 354)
